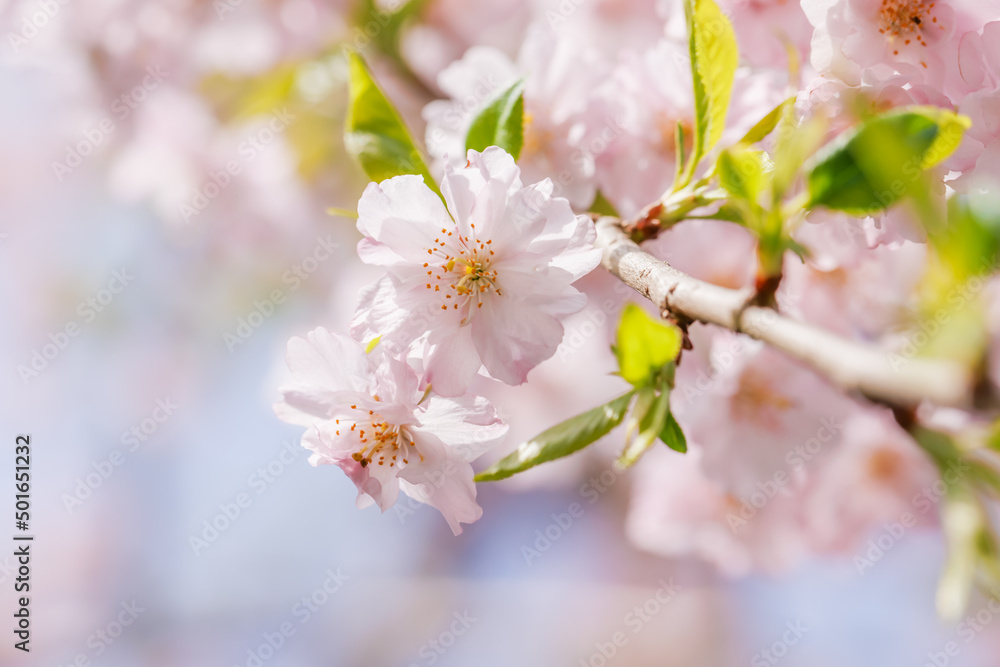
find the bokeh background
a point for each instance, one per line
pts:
(181, 285)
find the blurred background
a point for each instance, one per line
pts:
(165, 170)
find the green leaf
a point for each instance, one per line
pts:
(794, 143)
(743, 172)
(873, 166)
(602, 206)
(714, 57)
(969, 245)
(951, 129)
(645, 346)
(500, 123)
(375, 133)
(389, 25)
(766, 124)
(672, 435)
(650, 416)
(679, 155)
(561, 440)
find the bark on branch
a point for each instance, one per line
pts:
(853, 366)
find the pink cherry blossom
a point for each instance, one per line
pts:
(366, 414)
(749, 406)
(918, 39)
(846, 286)
(676, 510)
(870, 477)
(485, 281)
(873, 477)
(765, 28)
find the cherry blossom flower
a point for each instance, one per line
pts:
(366, 414)
(485, 281)
(676, 510)
(748, 406)
(765, 28)
(874, 476)
(918, 39)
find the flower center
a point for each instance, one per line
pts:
(465, 276)
(906, 20)
(379, 442)
(884, 464)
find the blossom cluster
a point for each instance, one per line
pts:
(479, 280)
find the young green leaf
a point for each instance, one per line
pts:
(882, 160)
(500, 123)
(714, 57)
(766, 124)
(391, 23)
(561, 440)
(375, 133)
(645, 346)
(680, 157)
(672, 435)
(743, 172)
(650, 417)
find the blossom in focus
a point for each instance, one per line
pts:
(485, 281)
(367, 414)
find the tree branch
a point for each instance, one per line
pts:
(853, 366)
